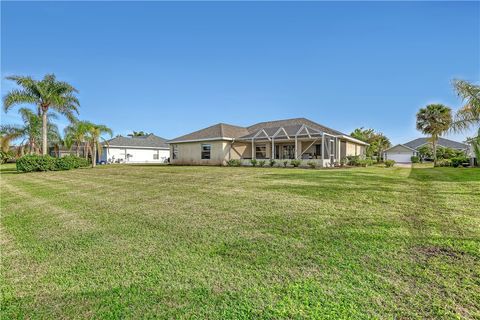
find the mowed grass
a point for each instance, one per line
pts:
(136, 242)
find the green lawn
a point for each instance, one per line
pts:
(220, 243)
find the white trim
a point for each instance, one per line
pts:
(135, 147)
(198, 140)
(342, 136)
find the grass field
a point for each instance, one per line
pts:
(222, 243)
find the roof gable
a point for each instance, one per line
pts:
(291, 123)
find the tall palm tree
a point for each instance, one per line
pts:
(95, 132)
(468, 116)
(434, 120)
(47, 94)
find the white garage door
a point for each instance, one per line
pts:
(400, 157)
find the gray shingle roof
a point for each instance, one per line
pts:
(229, 131)
(414, 144)
(293, 122)
(148, 141)
(220, 130)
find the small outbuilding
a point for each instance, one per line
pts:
(137, 149)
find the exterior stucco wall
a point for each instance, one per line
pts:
(190, 153)
(134, 155)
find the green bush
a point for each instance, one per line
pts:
(285, 163)
(312, 164)
(389, 163)
(272, 162)
(33, 162)
(295, 163)
(444, 163)
(6, 156)
(261, 163)
(458, 161)
(254, 162)
(365, 162)
(234, 163)
(415, 159)
(353, 160)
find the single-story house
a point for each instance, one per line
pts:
(297, 138)
(137, 149)
(403, 153)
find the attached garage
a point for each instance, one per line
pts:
(400, 153)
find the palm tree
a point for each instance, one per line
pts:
(47, 94)
(381, 143)
(30, 131)
(434, 120)
(75, 134)
(138, 134)
(468, 116)
(95, 132)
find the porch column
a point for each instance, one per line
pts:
(338, 149)
(296, 147)
(272, 151)
(253, 149)
(323, 146)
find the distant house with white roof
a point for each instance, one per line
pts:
(137, 149)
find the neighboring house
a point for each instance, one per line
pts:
(139, 149)
(297, 138)
(62, 151)
(403, 153)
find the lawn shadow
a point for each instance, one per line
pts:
(445, 174)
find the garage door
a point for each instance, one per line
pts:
(400, 157)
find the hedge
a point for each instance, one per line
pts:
(33, 162)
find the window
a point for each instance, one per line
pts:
(155, 155)
(289, 151)
(260, 151)
(318, 151)
(206, 149)
(174, 151)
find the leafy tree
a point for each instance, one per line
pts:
(434, 120)
(94, 134)
(378, 141)
(138, 134)
(468, 116)
(425, 152)
(47, 94)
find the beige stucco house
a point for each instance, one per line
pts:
(297, 138)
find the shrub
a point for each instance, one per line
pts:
(343, 161)
(444, 163)
(6, 156)
(458, 161)
(295, 163)
(285, 163)
(234, 163)
(415, 159)
(254, 162)
(353, 160)
(272, 162)
(261, 163)
(365, 162)
(32, 162)
(389, 163)
(312, 164)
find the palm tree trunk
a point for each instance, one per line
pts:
(44, 132)
(434, 146)
(78, 151)
(94, 154)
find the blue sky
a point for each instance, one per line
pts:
(172, 68)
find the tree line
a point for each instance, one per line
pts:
(49, 98)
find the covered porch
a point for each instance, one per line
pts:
(292, 143)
